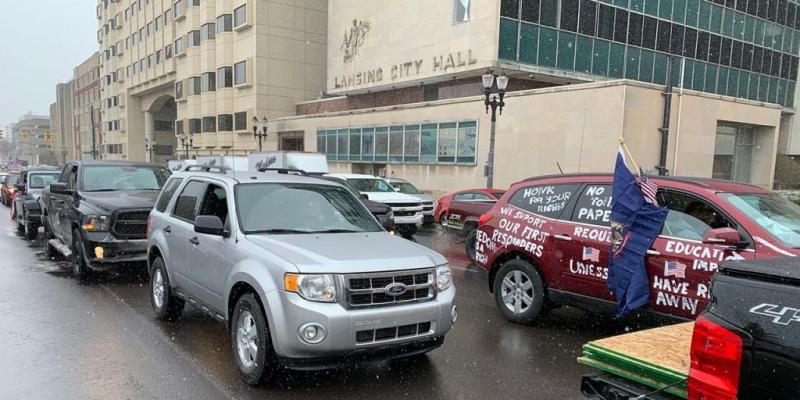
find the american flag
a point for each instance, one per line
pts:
(649, 189)
(591, 254)
(674, 268)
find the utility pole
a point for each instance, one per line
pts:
(94, 140)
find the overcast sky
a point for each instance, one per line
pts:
(41, 41)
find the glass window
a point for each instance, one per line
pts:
(733, 153)
(588, 18)
(240, 16)
(528, 43)
(193, 38)
(209, 124)
(225, 122)
(606, 26)
(343, 143)
(616, 60)
(240, 73)
(186, 204)
(194, 85)
(224, 77)
(330, 145)
(548, 201)
(411, 144)
(123, 177)
(635, 30)
(508, 8)
(462, 11)
(689, 217)
(594, 206)
(428, 143)
(566, 50)
(167, 193)
(547, 47)
(663, 36)
(178, 45)
(621, 26)
(396, 143)
(224, 23)
(649, 33)
(381, 144)
(355, 144)
(467, 142)
(367, 143)
(530, 11)
(584, 47)
(167, 16)
(508, 39)
(632, 64)
(208, 31)
(569, 15)
(321, 137)
(179, 89)
(195, 125)
(549, 13)
(676, 41)
(168, 52)
(773, 213)
(209, 83)
(600, 57)
(447, 142)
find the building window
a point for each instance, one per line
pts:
(240, 73)
(167, 16)
(462, 11)
(178, 128)
(733, 152)
(209, 124)
(168, 52)
(224, 23)
(158, 56)
(158, 23)
(178, 45)
(194, 85)
(240, 16)
(195, 125)
(193, 38)
(225, 77)
(240, 121)
(208, 31)
(209, 83)
(225, 122)
(149, 28)
(178, 7)
(195, 3)
(179, 89)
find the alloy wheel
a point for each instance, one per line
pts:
(158, 289)
(517, 291)
(247, 339)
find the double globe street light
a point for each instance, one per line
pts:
(259, 130)
(494, 102)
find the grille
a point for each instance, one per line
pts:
(427, 208)
(369, 290)
(131, 224)
(394, 332)
(405, 213)
(396, 205)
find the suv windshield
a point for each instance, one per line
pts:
(406, 188)
(39, 181)
(106, 178)
(778, 216)
(370, 185)
(284, 208)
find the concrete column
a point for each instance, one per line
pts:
(149, 134)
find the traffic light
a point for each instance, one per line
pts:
(2, 135)
(23, 135)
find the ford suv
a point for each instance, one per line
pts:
(547, 242)
(297, 268)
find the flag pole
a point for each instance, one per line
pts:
(630, 156)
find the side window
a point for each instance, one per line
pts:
(186, 205)
(690, 217)
(594, 206)
(166, 194)
(463, 196)
(545, 200)
(215, 202)
(483, 197)
(72, 177)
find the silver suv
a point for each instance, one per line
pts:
(297, 268)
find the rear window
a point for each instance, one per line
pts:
(166, 194)
(594, 205)
(545, 200)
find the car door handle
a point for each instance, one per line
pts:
(195, 241)
(566, 238)
(167, 229)
(651, 252)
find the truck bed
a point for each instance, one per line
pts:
(656, 357)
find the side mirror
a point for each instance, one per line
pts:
(723, 236)
(60, 188)
(363, 196)
(209, 224)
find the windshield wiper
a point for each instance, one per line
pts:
(102, 190)
(279, 231)
(337, 231)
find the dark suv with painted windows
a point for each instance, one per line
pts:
(547, 242)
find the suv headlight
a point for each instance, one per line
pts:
(314, 287)
(444, 279)
(96, 223)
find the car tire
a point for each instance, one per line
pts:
(20, 228)
(80, 270)
(519, 292)
(443, 221)
(31, 230)
(469, 244)
(249, 329)
(166, 306)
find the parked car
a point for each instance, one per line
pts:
(745, 345)
(407, 209)
(298, 270)
(28, 210)
(461, 210)
(428, 202)
(547, 241)
(96, 213)
(380, 211)
(8, 188)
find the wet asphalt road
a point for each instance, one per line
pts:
(62, 340)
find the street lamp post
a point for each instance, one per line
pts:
(259, 130)
(186, 142)
(148, 147)
(495, 102)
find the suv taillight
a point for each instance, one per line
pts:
(484, 219)
(716, 355)
(149, 226)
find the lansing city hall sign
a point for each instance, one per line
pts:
(353, 40)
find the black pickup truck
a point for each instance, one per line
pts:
(746, 345)
(96, 213)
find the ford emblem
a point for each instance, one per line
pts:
(395, 289)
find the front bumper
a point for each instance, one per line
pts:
(114, 251)
(341, 325)
(415, 219)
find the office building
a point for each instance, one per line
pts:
(61, 118)
(86, 99)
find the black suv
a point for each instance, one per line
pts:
(96, 213)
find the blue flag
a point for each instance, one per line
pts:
(635, 224)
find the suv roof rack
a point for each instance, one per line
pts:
(285, 171)
(206, 168)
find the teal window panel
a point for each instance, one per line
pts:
(790, 94)
(382, 144)
(727, 22)
(660, 69)
(528, 43)
(665, 9)
(367, 143)
(763, 88)
(796, 43)
(343, 143)
(749, 28)
(321, 142)
(679, 11)
(772, 96)
(711, 78)
(508, 39)
(600, 58)
(467, 142)
(646, 61)
(616, 60)
(704, 15)
(676, 71)
(716, 19)
(722, 80)
(699, 76)
(566, 51)
(687, 74)
(637, 5)
(748, 85)
(620, 3)
(787, 40)
(583, 54)
(547, 47)
(607, 1)
(733, 83)
(692, 11)
(631, 63)
(738, 25)
(758, 36)
(427, 140)
(651, 7)
(355, 144)
(781, 92)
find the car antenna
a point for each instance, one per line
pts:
(559, 168)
